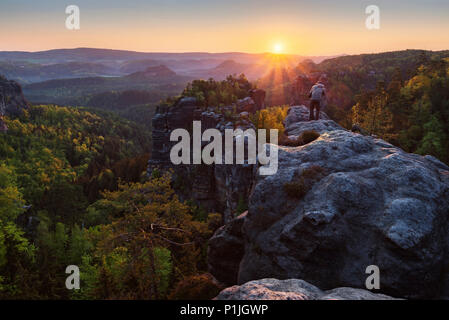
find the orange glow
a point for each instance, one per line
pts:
(282, 29)
(278, 48)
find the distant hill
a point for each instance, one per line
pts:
(152, 73)
(27, 72)
(230, 66)
(177, 65)
(89, 76)
(226, 68)
(253, 71)
(367, 69)
(27, 67)
(93, 54)
(160, 81)
(138, 65)
(346, 75)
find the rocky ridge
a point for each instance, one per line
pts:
(218, 188)
(294, 289)
(359, 201)
(12, 101)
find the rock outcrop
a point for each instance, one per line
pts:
(12, 101)
(299, 115)
(294, 289)
(227, 242)
(258, 96)
(297, 121)
(246, 105)
(218, 188)
(359, 201)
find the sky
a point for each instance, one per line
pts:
(315, 27)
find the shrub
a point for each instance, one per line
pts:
(199, 287)
(299, 186)
(156, 173)
(214, 221)
(228, 115)
(296, 189)
(242, 206)
(313, 172)
(309, 136)
(270, 118)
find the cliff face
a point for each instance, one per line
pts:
(218, 188)
(337, 205)
(12, 101)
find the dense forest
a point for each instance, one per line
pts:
(74, 191)
(55, 162)
(211, 93)
(402, 97)
(412, 114)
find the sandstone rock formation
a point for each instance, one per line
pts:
(217, 188)
(258, 96)
(296, 115)
(12, 101)
(360, 201)
(246, 105)
(293, 289)
(225, 251)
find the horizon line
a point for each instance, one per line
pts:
(220, 52)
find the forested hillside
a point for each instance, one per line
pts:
(412, 114)
(26, 72)
(401, 96)
(160, 81)
(54, 161)
(73, 190)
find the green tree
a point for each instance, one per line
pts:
(152, 242)
(16, 252)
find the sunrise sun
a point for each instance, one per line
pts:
(278, 48)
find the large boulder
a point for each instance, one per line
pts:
(227, 242)
(293, 289)
(360, 201)
(299, 115)
(344, 202)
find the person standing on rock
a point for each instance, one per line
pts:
(317, 93)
